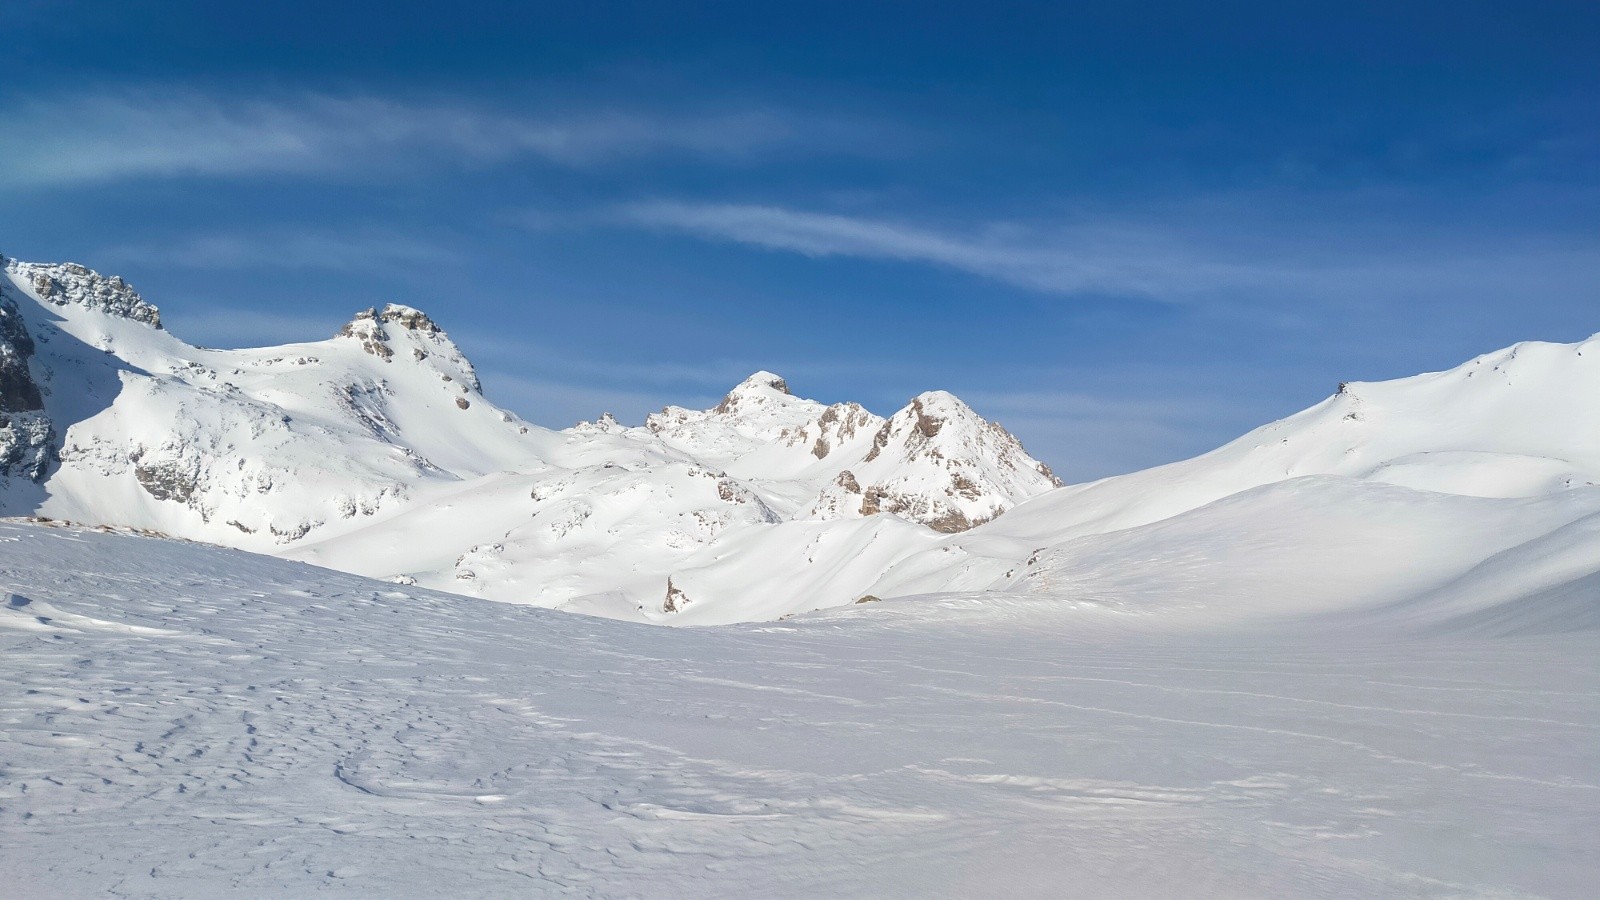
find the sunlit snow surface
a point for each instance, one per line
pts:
(178, 720)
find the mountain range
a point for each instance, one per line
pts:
(376, 452)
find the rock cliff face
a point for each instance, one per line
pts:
(27, 436)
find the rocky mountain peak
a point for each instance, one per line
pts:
(381, 331)
(937, 462)
(837, 426)
(63, 284)
(371, 322)
(929, 414)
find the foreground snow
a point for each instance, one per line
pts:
(178, 720)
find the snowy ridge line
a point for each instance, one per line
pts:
(376, 452)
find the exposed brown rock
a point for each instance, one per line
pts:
(164, 481)
(676, 599)
(729, 492)
(966, 487)
(76, 284)
(926, 424)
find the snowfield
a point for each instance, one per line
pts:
(182, 720)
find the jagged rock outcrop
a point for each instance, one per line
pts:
(606, 424)
(71, 283)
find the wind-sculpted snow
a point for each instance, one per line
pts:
(181, 720)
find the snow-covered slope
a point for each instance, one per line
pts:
(1381, 494)
(183, 720)
(1513, 429)
(1518, 422)
(375, 452)
(252, 448)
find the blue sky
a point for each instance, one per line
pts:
(1130, 232)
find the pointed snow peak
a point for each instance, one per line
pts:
(941, 426)
(942, 404)
(930, 411)
(70, 283)
(762, 380)
(767, 379)
(757, 388)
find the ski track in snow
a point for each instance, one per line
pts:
(178, 720)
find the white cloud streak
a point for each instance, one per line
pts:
(1128, 262)
(101, 137)
(1172, 264)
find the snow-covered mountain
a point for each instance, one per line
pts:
(1351, 653)
(935, 461)
(375, 451)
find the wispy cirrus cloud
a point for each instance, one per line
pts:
(1003, 254)
(97, 137)
(1167, 262)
